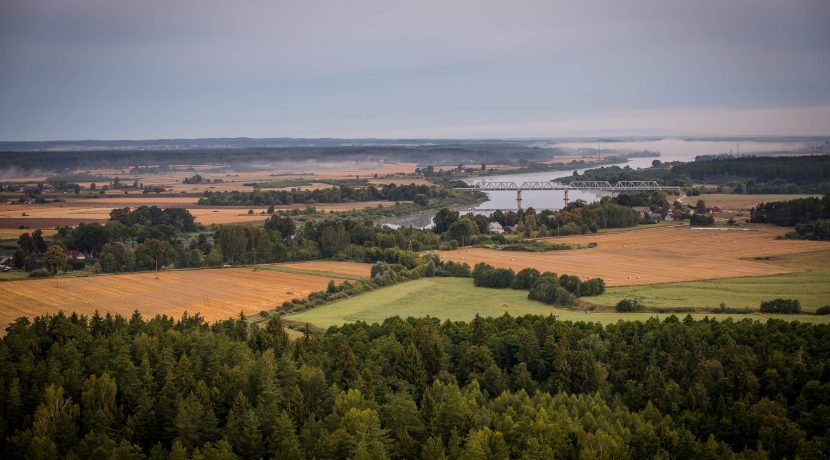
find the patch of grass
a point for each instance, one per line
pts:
(532, 246)
(13, 275)
(457, 299)
(811, 288)
(445, 298)
(325, 274)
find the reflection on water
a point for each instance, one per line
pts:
(537, 199)
(420, 220)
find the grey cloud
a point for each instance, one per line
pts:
(114, 68)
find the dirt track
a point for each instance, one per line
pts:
(651, 256)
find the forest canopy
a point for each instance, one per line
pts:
(416, 388)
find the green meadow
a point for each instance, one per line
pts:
(458, 300)
(811, 287)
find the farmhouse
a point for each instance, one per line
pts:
(496, 228)
(75, 255)
(716, 208)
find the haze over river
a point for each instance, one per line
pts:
(669, 150)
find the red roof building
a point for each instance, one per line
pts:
(75, 255)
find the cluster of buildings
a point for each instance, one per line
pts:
(675, 210)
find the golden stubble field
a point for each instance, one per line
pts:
(733, 202)
(235, 180)
(97, 210)
(653, 256)
(216, 294)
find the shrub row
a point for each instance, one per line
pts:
(545, 287)
(382, 274)
(781, 306)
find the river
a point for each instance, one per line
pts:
(669, 150)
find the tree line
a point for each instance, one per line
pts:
(748, 174)
(336, 194)
(661, 173)
(545, 287)
(158, 159)
(575, 219)
(810, 216)
(149, 238)
(778, 174)
(142, 238)
(527, 387)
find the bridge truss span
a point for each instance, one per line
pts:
(599, 186)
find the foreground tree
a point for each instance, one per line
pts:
(55, 258)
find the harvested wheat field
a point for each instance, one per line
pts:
(215, 294)
(54, 211)
(734, 202)
(14, 233)
(97, 210)
(365, 170)
(48, 216)
(652, 256)
(130, 201)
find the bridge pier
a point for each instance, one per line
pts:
(518, 199)
(566, 197)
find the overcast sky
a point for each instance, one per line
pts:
(115, 69)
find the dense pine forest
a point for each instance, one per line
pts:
(528, 387)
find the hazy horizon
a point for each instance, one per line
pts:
(104, 69)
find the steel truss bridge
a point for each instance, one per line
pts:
(591, 185)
